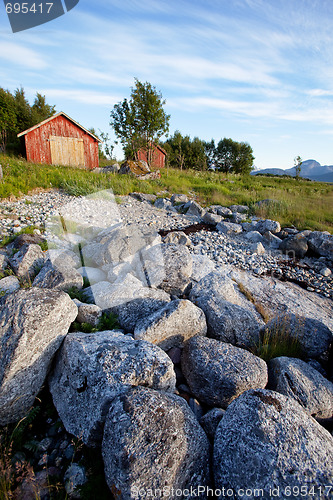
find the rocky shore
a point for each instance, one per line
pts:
(240, 247)
(178, 398)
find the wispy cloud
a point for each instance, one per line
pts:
(82, 96)
(21, 55)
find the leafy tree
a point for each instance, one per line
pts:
(140, 121)
(40, 110)
(298, 163)
(8, 121)
(184, 153)
(108, 147)
(175, 149)
(225, 154)
(230, 156)
(210, 151)
(17, 115)
(22, 110)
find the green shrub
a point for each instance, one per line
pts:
(108, 321)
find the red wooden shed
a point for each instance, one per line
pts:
(60, 140)
(158, 156)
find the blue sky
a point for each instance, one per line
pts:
(259, 71)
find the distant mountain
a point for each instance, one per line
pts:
(273, 171)
(310, 169)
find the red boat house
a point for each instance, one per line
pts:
(60, 140)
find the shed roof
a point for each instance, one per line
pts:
(61, 113)
(157, 146)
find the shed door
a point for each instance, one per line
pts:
(67, 151)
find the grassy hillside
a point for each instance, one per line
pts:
(307, 205)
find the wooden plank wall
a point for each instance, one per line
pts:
(37, 141)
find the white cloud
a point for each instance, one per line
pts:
(319, 93)
(19, 55)
(88, 97)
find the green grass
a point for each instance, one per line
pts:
(279, 341)
(305, 204)
(108, 321)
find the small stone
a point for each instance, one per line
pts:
(45, 444)
(325, 271)
(177, 237)
(175, 355)
(211, 420)
(75, 476)
(9, 285)
(258, 248)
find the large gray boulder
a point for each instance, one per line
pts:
(210, 218)
(230, 316)
(219, 210)
(178, 238)
(242, 209)
(202, 265)
(295, 246)
(254, 236)
(312, 335)
(268, 225)
(178, 268)
(92, 369)
(193, 208)
(153, 443)
(321, 243)
(128, 299)
(217, 372)
(229, 228)
(63, 257)
(276, 297)
(92, 274)
(58, 277)
(164, 204)
(268, 443)
(273, 240)
(179, 198)
(33, 323)
(119, 244)
(27, 261)
(172, 325)
(145, 303)
(298, 380)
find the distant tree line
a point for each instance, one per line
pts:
(226, 156)
(185, 153)
(17, 115)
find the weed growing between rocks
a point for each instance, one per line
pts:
(6, 273)
(14, 468)
(278, 341)
(80, 295)
(36, 452)
(259, 307)
(107, 322)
